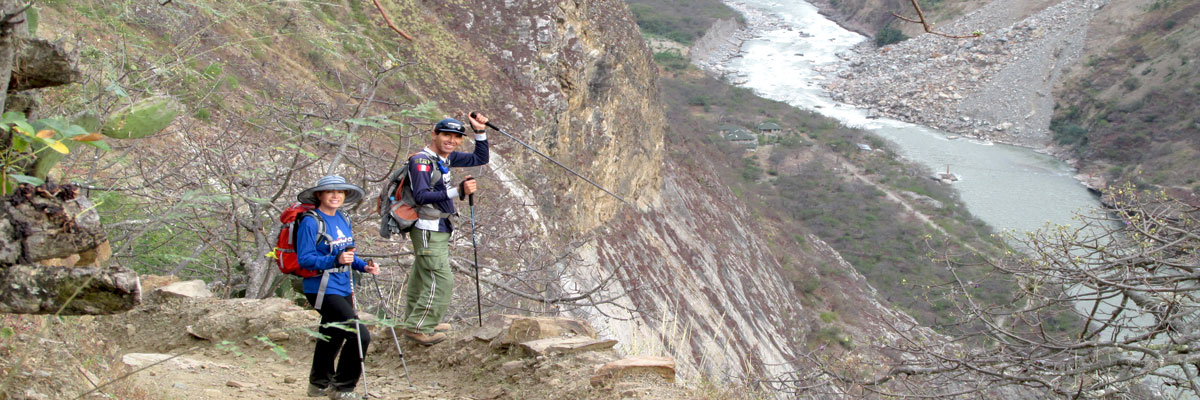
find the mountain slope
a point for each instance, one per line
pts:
(277, 90)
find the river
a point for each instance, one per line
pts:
(1008, 187)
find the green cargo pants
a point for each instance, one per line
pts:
(430, 282)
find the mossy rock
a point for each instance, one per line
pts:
(143, 118)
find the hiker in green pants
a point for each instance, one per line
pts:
(430, 285)
(431, 281)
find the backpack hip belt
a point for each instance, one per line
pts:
(325, 282)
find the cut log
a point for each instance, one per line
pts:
(36, 289)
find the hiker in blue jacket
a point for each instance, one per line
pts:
(332, 253)
(431, 282)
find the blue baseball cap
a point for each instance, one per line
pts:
(450, 125)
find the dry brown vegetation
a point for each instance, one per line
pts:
(1129, 109)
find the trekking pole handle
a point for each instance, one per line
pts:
(462, 189)
(351, 248)
(471, 199)
(489, 124)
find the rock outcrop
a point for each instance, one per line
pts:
(51, 223)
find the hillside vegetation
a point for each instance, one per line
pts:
(679, 20)
(1129, 111)
(269, 87)
(814, 180)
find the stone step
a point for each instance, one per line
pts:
(575, 344)
(509, 330)
(634, 366)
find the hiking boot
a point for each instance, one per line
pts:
(423, 339)
(336, 395)
(442, 327)
(316, 391)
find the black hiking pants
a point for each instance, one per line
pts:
(349, 366)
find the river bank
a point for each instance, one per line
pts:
(995, 89)
(789, 53)
(996, 86)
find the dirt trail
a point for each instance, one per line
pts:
(258, 374)
(891, 195)
(234, 362)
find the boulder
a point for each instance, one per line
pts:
(573, 344)
(152, 282)
(493, 325)
(634, 366)
(193, 289)
(235, 319)
(41, 63)
(49, 222)
(512, 367)
(36, 289)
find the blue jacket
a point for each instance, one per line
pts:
(420, 171)
(320, 255)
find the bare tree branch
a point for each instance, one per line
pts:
(929, 26)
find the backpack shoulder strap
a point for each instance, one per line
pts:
(320, 225)
(434, 173)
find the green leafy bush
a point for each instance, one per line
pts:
(672, 60)
(888, 35)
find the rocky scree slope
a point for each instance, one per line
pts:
(997, 86)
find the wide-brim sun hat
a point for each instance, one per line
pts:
(331, 182)
(450, 125)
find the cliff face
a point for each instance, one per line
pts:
(582, 85)
(573, 78)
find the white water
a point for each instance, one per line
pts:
(1010, 188)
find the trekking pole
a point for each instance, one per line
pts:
(475, 249)
(395, 338)
(493, 126)
(358, 327)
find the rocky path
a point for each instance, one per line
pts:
(510, 357)
(256, 374)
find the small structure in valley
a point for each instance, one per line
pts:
(770, 129)
(740, 137)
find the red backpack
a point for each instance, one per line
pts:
(285, 245)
